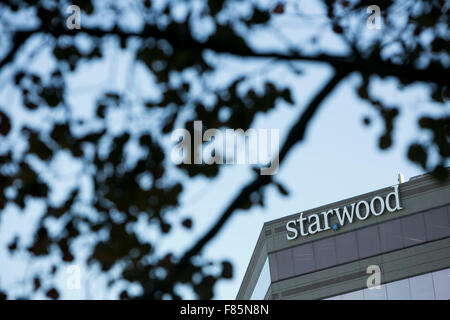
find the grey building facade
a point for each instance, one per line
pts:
(399, 234)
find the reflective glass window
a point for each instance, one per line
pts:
(391, 235)
(375, 294)
(368, 242)
(398, 290)
(430, 286)
(303, 258)
(285, 264)
(441, 281)
(346, 247)
(437, 224)
(413, 230)
(339, 297)
(355, 295)
(325, 253)
(422, 287)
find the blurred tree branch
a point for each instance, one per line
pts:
(296, 134)
(433, 73)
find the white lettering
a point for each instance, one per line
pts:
(397, 200)
(314, 227)
(358, 213)
(349, 216)
(325, 219)
(302, 228)
(293, 230)
(372, 206)
(344, 214)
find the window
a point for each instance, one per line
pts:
(375, 294)
(422, 287)
(398, 290)
(391, 235)
(335, 298)
(448, 213)
(303, 258)
(441, 280)
(413, 230)
(285, 264)
(355, 295)
(434, 285)
(437, 224)
(368, 242)
(362, 243)
(325, 253)
(346, 248)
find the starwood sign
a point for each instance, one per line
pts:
(361, 210)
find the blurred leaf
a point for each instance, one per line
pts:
(279, 8)
(13, 245)
(215, 6)
(52, 294)
(187, 223)
(124, 295)
(41, 243)
(417, 153)
(338, 29)
(36, 283)
(5, 124)
(258, 17)
(227, 270)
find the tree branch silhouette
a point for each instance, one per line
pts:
(296, 135)
(18, 41)
(433, 73)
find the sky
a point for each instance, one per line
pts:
(338, 159)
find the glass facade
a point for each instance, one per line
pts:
(359, 244)
(429, 286)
